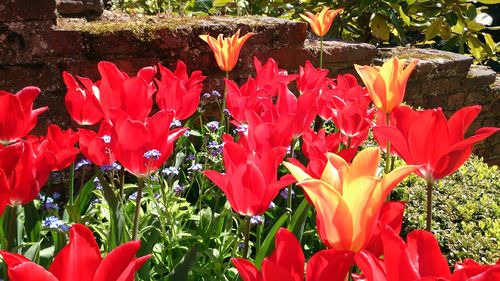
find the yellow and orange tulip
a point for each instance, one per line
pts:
(387, 84)
(321, 22)
(226, 50)
(348, 198)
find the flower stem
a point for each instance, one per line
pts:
(71, 183)
(11, 227)
(223, 105)
(290, 188)
(247, 238)
(387, 168)
(140, 187)
(428, 226)
(321, 52)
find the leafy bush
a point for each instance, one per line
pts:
(466, 211)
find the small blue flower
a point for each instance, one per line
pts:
(216, 94)
(272, 205)
(241, 245)
(152, 154)
(49, 204)
(170, 171)
(83, 162)
(106, 138)
(289, 150)
(206, 96)
(187, 133)
(190, 157)
(175, 124)
(242, 128)
(56, 178)
(213, 125)
(111, 167)
(195, 167)
(284, 193)
(226, 111)
(257, 220)
(178, 189)
(213, 144)
(133, 196)
(56, 195)
(55, 223)
(97, 184)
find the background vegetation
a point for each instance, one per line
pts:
(461, 26)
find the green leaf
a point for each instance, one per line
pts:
(82, 200)
(267, 245)
(434, 29)
(380, 28)
(181, 270)
(221, 3)
(299, 219)
(32, 222)
(489, 2)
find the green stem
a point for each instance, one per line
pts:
(321, 52)
(11, 228)
(71, 183)
(247, 238)
(428, 226)
(122, 184)
(290, 188)
(222, 115)
(387, 168)
(140, 187)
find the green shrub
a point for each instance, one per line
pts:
(466, 211)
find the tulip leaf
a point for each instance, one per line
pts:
(267, 245)
(299, 218)
(32, 221)
(116, 215)
(82, 200)
(181, 270)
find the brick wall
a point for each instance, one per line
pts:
(35, 48)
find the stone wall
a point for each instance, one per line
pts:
(35, 48)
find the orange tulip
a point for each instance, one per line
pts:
(347, 198)
(226, 50)
(386, 85)
(322, 21)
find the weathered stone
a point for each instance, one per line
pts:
(432, 63)
(23, 10)
(80, 7)
(479, 76)
(338, 51)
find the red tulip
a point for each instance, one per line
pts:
(246, 98)
(4, 191)
(59, 144)
(79, 100)
(133, 95)
(391, 214)
(80, 260)
(269, 77)
(418, 259)
(143, 147)
(312, 79)
(470, 270)
(178, 91)
(24, 171)
(17, 117)
(97, 146)
(287, 263)
(250, 181)
(426, 138)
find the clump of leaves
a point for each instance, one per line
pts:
(466, 211)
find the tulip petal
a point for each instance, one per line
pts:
(120, 260)
(32, 272)
(365, 163)
(373, 269)
(247, 270)
(397, 259)
(426, 255)
(329, 265)
(288, 254)
(78, 260)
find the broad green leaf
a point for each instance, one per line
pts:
(299, 219)
(434, 29)
(268, 245)
(380, 28)
(181, 270)
(221, 3)
(489, 2)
